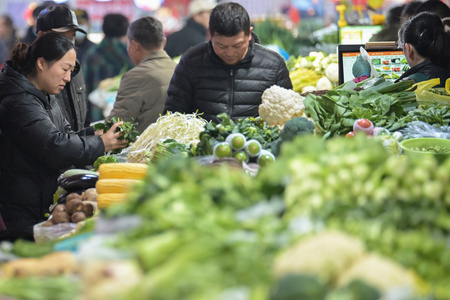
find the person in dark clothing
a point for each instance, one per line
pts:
(436, 6)
(392, 25)
(107, 59)
(8, 32)
(73, 99)
(227, 74)
(82, 42)
(36, 141)
(439, 8)
(427, 48)
(3, 53)
(194, 32)
(409, 9)
(31, 35)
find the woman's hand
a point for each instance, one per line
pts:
(111, 138)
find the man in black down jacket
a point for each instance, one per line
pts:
(73, 99)
(227, 74)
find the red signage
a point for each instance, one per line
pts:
(98, 9)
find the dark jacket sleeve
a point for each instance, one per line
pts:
(32, 129)
(180, 95)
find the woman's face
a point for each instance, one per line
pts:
(52, 77)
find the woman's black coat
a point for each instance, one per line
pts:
(36, 143)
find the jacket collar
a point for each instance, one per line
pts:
(155, 55)
(21, 84)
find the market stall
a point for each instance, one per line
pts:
(319, 201)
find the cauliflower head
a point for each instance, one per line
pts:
(280, 105)
(325, 255)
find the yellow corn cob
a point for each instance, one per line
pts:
(115, 185)
(122, 170)
(107, 199)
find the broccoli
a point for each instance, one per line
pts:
(292, 128)
(295, 127)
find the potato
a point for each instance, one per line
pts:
(59, 207)
(72, 196)
(87, 208)
(89, 195)
(60, 217)
(73, 205)
(78, 217)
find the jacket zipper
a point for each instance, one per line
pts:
(231, 96)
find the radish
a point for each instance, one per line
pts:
(363, 125)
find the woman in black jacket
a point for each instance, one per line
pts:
(427, 48)
(36, 142)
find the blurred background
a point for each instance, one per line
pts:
(297, 26)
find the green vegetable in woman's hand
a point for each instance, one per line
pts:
(128, 129)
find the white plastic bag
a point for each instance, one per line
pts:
(48, 233)
(103, 99)
(365, 56)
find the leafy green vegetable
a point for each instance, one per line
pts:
(335, 112)
(105, 159)
(40, 288)
(397, 206)
(168, 148)
(25, 248)
(128, 129)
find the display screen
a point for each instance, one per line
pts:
(389, 63)
(360, 34)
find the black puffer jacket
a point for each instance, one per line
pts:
(189, 36)
(36, 142)
(203, 83)
(426, 70)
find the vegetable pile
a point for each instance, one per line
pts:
(317, 71)
(398, 206)
(335, 112)
(309, 225)
(251, 128)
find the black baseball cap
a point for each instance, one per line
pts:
(58, 18)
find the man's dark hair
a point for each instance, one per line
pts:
(393, 16)
(147, 31)
(409, 9)
(229, 19)
(115, 25)
(436, 6)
